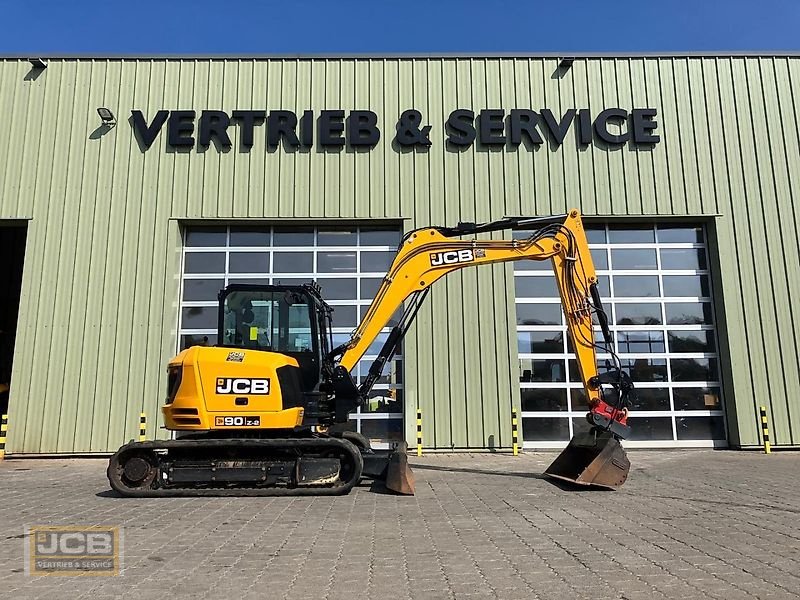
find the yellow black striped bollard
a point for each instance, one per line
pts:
(419, 432)
(142, 427)
(3, 430)
(765, 430)
(514, 432)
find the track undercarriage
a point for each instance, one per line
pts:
(301, 466)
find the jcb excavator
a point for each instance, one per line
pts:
(265, 411)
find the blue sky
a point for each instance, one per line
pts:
(312, 26)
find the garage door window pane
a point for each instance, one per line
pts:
(635, 286)
(200, 339)
(638, 314)
(539, 370)
(202, 290)
(199, 317)
(694, 369)
(380, 236)
(534, 265)
(343, 237)
(680, 234)
(376, 262)
(686, 285)
(248, 262)
(545, 429)
(699, 398)
(336, 262)
(596, 234)
(640, 342)
(292, 262)
(650, 428)
(634, 259)
(535, 287)
(344, 316)
(539, 314)
(650, 399)
(646, 369)
(599, 258)
(543, 399)
(293, 236)
(700, 428)
(691, 341)
(688, 313)
(683, 259)
(338, 289)
(211, 237)
(620, 234)
(540, 342)
(245, 237)
(204, 262)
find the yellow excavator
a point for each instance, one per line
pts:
(265, 411)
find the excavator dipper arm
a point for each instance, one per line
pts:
(427, 255)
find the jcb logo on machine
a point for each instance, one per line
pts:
(242, 385)
(452, 257)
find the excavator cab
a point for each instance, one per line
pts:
(289, 320)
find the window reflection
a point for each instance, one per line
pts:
(691, 341)
(540, 342)
(532, 370)
(543, 399)
(640, 341)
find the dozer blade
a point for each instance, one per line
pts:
(592, 458)
(399, 476)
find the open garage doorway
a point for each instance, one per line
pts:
(12, 250)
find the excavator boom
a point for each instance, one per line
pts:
(427, 255)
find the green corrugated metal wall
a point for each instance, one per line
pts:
(100, 291)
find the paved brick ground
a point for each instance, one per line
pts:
(689, 524)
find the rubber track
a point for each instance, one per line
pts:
(311, 444)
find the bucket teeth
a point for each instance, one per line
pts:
(595, 458)
(399, 476)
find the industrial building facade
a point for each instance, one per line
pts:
(118, 227)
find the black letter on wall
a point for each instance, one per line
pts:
(523, 120)
(491, 126)
(584, 127)
(147, 134)
(214, 123)
(643, 124)
(248, 119)
(362, 128)
(180, 128)
(558, 129)
(601, 125)
(281, 123)
(307, 128)
(460, 126)
(331, 126)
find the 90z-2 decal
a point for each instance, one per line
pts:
(243, 385)
(452, 257)
(236, 421)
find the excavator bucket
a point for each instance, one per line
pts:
(399, 476)
(592, 458)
